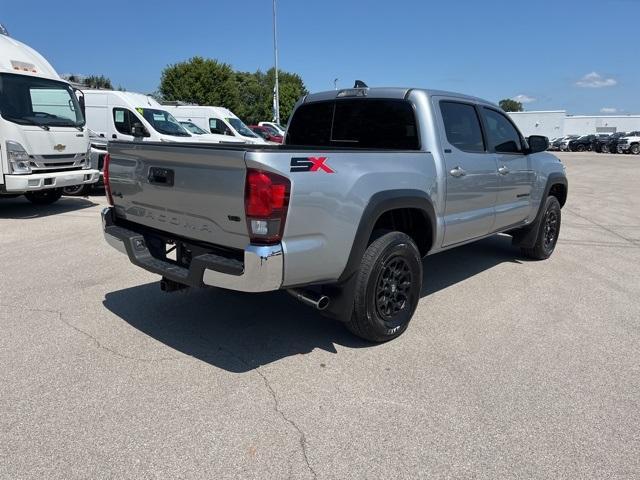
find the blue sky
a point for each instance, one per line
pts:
(582, 56)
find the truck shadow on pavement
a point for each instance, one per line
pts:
(448, 268)
(21, 209)
(234, 331)
(240, 332)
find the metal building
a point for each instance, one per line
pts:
(558, 123)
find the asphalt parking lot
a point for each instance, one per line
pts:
(510, 368)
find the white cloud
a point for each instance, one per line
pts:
(523, 98)
(595, 80)
(608, 110)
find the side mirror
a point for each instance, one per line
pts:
(537, 143)
(138, 130)
(80, 96)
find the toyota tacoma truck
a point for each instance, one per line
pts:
(367, 183)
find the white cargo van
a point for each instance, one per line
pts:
(44, 144)
(132, 116)
(217, 120)
(202, 135)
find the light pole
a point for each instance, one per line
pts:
(335, 83)
(276, 93)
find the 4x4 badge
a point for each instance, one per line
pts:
(310, 164)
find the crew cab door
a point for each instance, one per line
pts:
(515, 174)
(470, 171)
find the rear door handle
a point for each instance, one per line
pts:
(457, 172)
(503, 170)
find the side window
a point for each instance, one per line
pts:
(501, 133)
(462, 126)
(124, 119)
(218, 126)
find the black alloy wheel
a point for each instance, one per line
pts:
(393, 288)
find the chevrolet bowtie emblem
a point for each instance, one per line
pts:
(59, 147)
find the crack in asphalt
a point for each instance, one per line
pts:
(95, 341)
(302, 438)
(593, 222)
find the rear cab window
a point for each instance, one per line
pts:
(462, 126)
(370, 123)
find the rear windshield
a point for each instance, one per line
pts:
(355, 123)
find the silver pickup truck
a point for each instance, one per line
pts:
(368, 182)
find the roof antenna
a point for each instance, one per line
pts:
(360, 84)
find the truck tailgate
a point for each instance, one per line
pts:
(192, 191)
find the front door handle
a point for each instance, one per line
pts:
(457, 172)
(503, 170)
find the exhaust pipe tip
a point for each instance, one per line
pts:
(323, 302)
(312, 299)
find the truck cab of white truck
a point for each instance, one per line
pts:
(44, 144)
(216, 120)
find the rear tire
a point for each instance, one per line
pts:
(580, 148)
(604, 149)
(388, 287)
(548, 231)
(44, 197)
(635, 149)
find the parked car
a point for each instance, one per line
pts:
(601, 139)
(554, 144)
(610, 144)
(217, 120)
(276, 126)
(342, 229)
(582, 143)
(551, 140)
(269, 134)
(44, 145)
(564, 144)
(202, 135)
(629, 143)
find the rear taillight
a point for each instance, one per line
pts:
(105, 178)
(266, 201)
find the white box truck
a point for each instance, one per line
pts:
(44, 144)
(217, 120)
(117, 115)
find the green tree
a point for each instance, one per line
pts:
(201, 81)
(250, 95)
(97, 81)
(254, 97)
(256, 94)
(510, 105)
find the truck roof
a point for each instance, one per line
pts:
(16, 57)
(390, 92)
(134, 98)
(222, 111)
